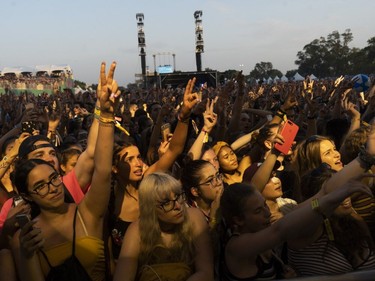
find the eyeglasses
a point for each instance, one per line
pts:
(169, 205)
(218, 178)
(42, 189)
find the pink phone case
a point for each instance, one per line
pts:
(289, 132)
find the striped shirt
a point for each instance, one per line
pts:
(323, 258)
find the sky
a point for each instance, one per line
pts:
(237, 33)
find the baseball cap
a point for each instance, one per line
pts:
(28, 145)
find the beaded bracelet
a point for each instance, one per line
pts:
(327, 224)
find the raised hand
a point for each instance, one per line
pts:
(338, 81)
(189, 101)
(349, 107)
(210, 117)
(108, 91)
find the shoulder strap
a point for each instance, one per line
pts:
(45, 257)
(73, 244)
(82, 223)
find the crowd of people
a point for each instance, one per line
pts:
(187, 183)
(31, 82)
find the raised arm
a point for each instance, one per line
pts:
(243, 140)
(305, 219)
(210, 119)
(237, 106)
(156, 133)
(359, 165)
(13, 153)
(85, 165)
(127, 263)
(179, 135)
(96, 200)
(263, 174)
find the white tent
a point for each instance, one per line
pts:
(269, 80)
(284, 78)
(276, 79)
(54, 69)
(298, 77)
(313, 77)
(18, 70)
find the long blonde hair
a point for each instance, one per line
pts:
(153, 188)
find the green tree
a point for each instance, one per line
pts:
(227, 75)
(326, 57)
(264, 70)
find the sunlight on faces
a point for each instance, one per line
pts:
(133, 158)
(171, 209)
(272, 189)
(211, 157)
(70, 164)
(47, 154)
(227, 159)
(209, 184)
(269, 140)
(330, 155)
(48, 195)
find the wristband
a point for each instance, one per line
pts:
(327, 224)
(106, 120)
(186, 120)
(97, 112)
(205, 139)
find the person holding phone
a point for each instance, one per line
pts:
(56, 226)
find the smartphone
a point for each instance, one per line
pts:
(165, 131)
(22, 219)
(17, 200)
(28, 127)
(289, 132)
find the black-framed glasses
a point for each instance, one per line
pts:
(169, 205)
(42, 189)
(218, 178)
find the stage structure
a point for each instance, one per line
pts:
(165, 75)
(164, 64)
(142, 44)
(181, 78)
(199, 46)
